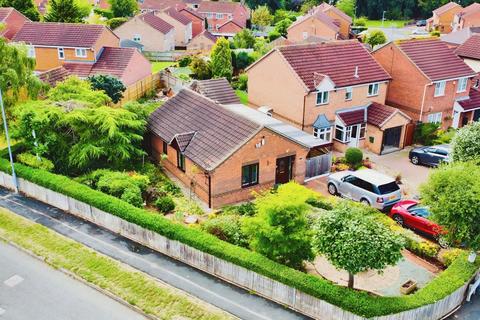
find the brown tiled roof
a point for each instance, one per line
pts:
(208, 35)
(239, 22)
(218, 6)
(460, 36)
(183, 140)
(113, 61)
(326, 7)
(473, 102)
(471, 9)
(4, 13)
(55, 75)
(378, 114)
(219, 90)
(161, 4)
(80, 69)
(352, 117)
(336, 59)
(192, 12)
(60, 34)
(183, 19)
(470, 48)
(325, 19)
(155, 22)
(435, 59)
(218, 131)
(446, 7)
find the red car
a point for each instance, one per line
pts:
(409, 213)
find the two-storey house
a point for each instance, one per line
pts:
(224, 18)
(327, 90)
(467, 17)
(11, 21)
(427, 79)
(181, 23)
(442, 18)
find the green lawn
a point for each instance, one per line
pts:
(243, 96)
(160, 65)
(138, 289)
(386, 24)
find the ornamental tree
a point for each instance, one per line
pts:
(244, 39)
(78, 90)
(112, 86)
(262, 16)
(466, 143)
(452, 193)
(280, 230)
(123, 8)
(352, 240)
(376, 37)
(67, 11)
(221, 59)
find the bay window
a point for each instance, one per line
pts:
(324, 134)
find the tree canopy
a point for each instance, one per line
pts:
(347, 6)
(452, 193)
(123, 8)
(67, 11)
(244, 39)
(112, 86)
(353, 241)
(221, 59)
(262, 16)
(74, 89)
(272, 4)
(376, 37)
(466, 143)
(26, 7)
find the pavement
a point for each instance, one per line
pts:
(469, 310)
(210, 289)
(31, 289)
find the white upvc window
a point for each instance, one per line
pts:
(305, 35)
(462, 85)
(61, 53)
(343, 134)
(322, 97)
(439, 88)
(137, 38)
(219, 15)
(348, 93)
(31, 51)
(363, 128)
(80, 53)
(325, 134)
(435, 117)
(373, 89)
(210, 15)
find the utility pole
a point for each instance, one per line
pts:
(7, 137)
(383, 17)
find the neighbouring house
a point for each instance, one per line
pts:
(198, 21)
(223, 155)
(203, 42)
(181, 23)
(456, 38)
(54, 44)
(151, 31)
(468, 110)
(11, 21)
(218, 90)
(224, 18)
(331, 87)
(469, 51)
(467, 17)
(428, 79)
(160, 5)
(343, 20)
(442, 18)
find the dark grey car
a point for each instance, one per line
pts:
(430, 156)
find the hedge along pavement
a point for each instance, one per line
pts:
(360, 303)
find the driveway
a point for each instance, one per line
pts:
(469, 311)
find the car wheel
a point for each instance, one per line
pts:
(443, 242)
(398, 219)
(415, 160)
(365, 202)
(332, 189)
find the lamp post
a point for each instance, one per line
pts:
(7, 137)
(383, 17)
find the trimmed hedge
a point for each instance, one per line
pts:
(360, 303)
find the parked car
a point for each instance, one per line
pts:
(367, 186)
(411, 214)
(421, 23)
(430, 156)
(420, 32)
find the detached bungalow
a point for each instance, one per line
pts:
(12, 22)
(221, 154)
(442, 18)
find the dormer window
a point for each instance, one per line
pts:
(322, 97)
(373, 89)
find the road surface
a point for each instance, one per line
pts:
(31, 289)
(234, 300)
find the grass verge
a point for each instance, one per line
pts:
(160, 65)
(138, 289)
(386, 24)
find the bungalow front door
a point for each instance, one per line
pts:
(284, 169)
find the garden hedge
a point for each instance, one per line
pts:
(357, 302)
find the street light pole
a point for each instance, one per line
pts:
(7, 137)
(383, 17)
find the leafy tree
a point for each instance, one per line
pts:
(116, 22)
(466, 143)
(221, 59)
(274, 34)
(354, 242)
(262, 17)
(347, 6)
(280, 229)
(16, 74)
(63, 11)
(242, 60)
(452, 193)
(271, 4)
(282, 26)
(201, 69)
(261, 46)
(376, 37)
(123, 8)
(74, 89)
(26, 7)
(244, 39)
(112, 86)
(282, 14)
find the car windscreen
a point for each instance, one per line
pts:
(388, 188)
(419, 211)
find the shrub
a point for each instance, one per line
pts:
(114, 23)
(321, 204)
(240, 82)
(35, 162)
(354, 156)
(466, 143)
(184, 61)
(133, 196)
(226, 228)
(103, 12)
(274, 34)
(165, 204)
(244, 209)
(361, 22)
(448, 256)
(435, 33)
(426, 133)
(423, 248)
(170, 187)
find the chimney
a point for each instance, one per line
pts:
(356, 72)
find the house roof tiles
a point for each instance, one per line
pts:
(218, 6)
(183, 19)
(445, 8)
(219, 90)
(320, 15)
(378, 114)
(4, 13)
(155, 22)
(336, 59)
(327, 7)
(471, 9)
(218, 132)
(470, 48)
(435, 59)
(54, 75)
(161, 4)
(60, 34)
(353, 116)
(474, 101)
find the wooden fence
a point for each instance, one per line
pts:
(141, 88)
(225, 270)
